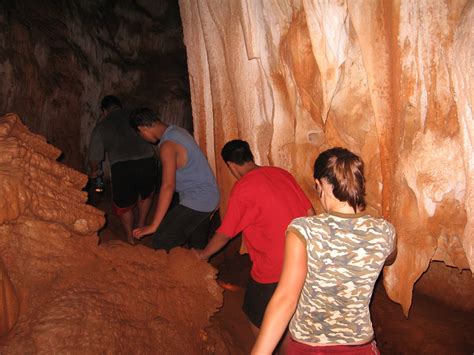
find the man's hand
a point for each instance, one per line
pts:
(215, 244)
(96, 184)
(139, 233)
(200, 254)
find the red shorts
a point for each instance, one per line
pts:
(294, 348)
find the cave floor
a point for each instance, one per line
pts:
(432, 327)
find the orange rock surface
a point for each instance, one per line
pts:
(390, 80)
(61, 292)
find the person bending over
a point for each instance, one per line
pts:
(132, 163)
(262, 203)
(186, 170)
(332, 261)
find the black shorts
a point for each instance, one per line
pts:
(131, 180)
(183, 226)
(257, 296)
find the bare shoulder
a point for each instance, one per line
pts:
(168, 148)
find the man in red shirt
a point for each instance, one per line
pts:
(262, 204)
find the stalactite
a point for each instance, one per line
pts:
(390, 80)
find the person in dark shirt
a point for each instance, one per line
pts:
(132, 164)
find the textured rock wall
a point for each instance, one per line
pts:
(62, 293)
(390, 80)
(58, 58)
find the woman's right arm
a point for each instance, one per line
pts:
(283, 304)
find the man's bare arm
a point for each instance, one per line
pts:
(168, 157)
(215, 244)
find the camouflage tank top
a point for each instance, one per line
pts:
(346, 253)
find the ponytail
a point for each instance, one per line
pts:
(345, 172)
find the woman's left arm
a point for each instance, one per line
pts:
(285, 299)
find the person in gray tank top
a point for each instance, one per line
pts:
(186, 170)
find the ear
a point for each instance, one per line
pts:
(233, 169)
(318, 187)
(327, 188)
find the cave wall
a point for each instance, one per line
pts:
(390, 80)
(59, 58)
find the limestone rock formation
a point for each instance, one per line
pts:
(391, 81)
(9, 303)
(61, 292)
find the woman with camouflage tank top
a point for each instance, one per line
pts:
(332, 261)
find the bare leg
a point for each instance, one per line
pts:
(127, 223)
(143, 209)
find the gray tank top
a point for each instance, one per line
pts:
(195, 182)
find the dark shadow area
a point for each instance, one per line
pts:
(59, 58)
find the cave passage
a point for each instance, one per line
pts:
(389, 80)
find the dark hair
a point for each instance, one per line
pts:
(237, 151)
(109, 102)
(143, 117)
(345, 172)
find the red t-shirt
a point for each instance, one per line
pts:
(261, 205)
